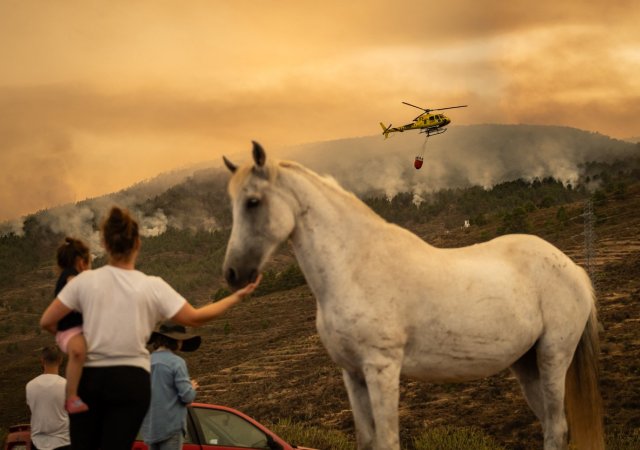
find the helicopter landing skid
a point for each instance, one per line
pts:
(433, 132)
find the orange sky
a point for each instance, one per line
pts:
(97, 95)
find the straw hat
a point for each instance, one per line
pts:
(172, 330)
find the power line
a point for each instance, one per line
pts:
(589, 239)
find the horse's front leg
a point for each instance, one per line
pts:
(361, 408)
(383, 383)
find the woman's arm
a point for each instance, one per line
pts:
(194, 317)
(52, 315)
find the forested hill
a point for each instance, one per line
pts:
(479, 155)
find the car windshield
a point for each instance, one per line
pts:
(225, 428)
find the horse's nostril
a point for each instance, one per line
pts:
(231, 276)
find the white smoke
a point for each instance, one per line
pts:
(82, 220)
(483, 155)
(77, 221)
(480, 155)
(153, 225)
(12, 227)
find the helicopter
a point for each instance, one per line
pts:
(428, 123)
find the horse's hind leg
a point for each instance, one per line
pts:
(553, 365)
(526, 372)
(361, 407)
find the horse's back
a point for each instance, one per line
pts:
(538, 270)
(489, 302)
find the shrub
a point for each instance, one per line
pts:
(220, 294)
(290, 277)
(312, 436)
(453, 438)
(623, 440)
(562, 216)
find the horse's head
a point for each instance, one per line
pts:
(262, 218)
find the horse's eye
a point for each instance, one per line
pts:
(252, 202)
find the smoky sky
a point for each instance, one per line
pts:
(95, 96)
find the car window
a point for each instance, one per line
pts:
(225, 428)
(188, 439)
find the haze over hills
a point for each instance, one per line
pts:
(466, 155)
(482, 155)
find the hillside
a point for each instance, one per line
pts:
(265, 358)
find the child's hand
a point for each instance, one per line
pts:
(249, 288)
(194, 385)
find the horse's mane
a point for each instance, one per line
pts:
(328, 182)
(324, 182)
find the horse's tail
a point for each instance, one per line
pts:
(582, 399)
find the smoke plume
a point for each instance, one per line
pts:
(484, 155)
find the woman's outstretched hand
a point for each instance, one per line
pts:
(249, 288)
(195, 317)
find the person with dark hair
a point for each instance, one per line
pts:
(73, 257)
(171, 387)
(120, 307)
(45, 397)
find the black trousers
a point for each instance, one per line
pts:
(118, 398)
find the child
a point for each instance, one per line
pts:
(73, 257)
(171, 388)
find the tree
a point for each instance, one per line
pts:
(514, 221)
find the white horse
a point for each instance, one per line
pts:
(390, 304)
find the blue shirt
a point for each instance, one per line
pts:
(171, 392)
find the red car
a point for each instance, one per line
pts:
(209, 427)
(215, 427)
(19, 438)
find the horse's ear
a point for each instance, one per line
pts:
(231, 166)
(259, 156)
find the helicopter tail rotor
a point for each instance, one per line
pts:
(385, 130)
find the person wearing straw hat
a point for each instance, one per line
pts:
(171, 388)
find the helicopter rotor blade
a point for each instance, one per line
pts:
(448, 107)
(424, 109)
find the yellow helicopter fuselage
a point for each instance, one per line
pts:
(427, 122)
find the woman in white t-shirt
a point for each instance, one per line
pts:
(121, 306)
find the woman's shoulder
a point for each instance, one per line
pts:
(112, 271)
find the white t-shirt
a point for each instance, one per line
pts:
(49, 420)
(120, 309)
